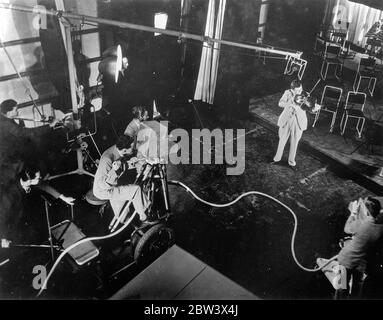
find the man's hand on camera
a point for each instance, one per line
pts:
(353, 207)
(116, 165)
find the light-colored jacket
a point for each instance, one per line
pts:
(132, 128)
(106, 177)
(291, 109)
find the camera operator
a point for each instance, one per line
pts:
(107, 185)
(365, 224)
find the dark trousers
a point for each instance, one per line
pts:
(356, 289)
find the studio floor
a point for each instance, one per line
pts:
(248, 242)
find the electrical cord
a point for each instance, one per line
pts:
(269, 197)
(177, 183)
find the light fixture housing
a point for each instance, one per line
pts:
(160, 21)
(111, 63)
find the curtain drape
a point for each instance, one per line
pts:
(360, 19)
(208, 70)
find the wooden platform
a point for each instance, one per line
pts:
(177, 275)
(363, 165)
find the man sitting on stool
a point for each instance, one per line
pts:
(18, 205)
(110, 169)
(365, 224)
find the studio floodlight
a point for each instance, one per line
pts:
(111, 64)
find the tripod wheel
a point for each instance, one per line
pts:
(154, 242)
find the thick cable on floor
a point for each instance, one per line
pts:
(269, 197)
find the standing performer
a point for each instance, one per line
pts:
(292, 122)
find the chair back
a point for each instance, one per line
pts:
(340, 36)
(331, 97)
(332, 50)
(356, 48)
(355, 100)
(366, 64)
(320, 45)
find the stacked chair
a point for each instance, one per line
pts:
(353, 108)
(330, 102)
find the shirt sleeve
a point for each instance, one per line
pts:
(106, 176)
(286, 99)
(34, 132)
(48, 189)
(131, 129)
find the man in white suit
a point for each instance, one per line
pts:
(292, 122)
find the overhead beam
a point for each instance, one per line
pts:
(178, 34)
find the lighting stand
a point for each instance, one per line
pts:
(77, 124)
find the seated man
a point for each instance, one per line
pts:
(18, 205)
(140, 114)
(106, 182)
(366, 226)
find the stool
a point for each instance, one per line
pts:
(93, 200)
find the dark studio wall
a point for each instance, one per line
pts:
(153, 71)
(55, 59)
(155, 62)
(293, 23)
(236, 66)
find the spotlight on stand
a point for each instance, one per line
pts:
(111, 64)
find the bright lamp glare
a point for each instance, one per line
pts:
(160, 21)
(118, 64)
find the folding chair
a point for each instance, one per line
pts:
(356, 49)
(373, 45)
(331, 58)
(319, 46)
(330, 101)
(366, 70)
(339, 36)
(354, 109)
